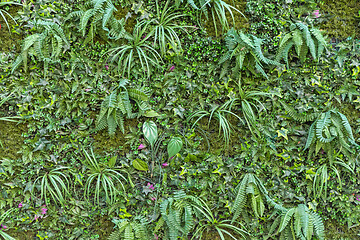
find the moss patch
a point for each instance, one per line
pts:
(11, 139)
(104, 143)
(8, 40)
(240, 21)
(341, 18)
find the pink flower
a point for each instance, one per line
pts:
(106, 67)
(3, 226)
(20, 205)
(151, 186)
(36, 217)
(165, 164)
(153, 199)
(316, 14)
(172, 68)
(156, 236)
(357, 197)
(87, 89)
(43, 211)
(141, 146)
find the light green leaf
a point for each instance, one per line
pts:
(140, 165)
(151, 113)
(283, 133)
(174, 146)
(150, 132)
(112, 161)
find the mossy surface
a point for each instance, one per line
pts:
(8, 39)
(11, 139)
(240, 21)
(340, 14)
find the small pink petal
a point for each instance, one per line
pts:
(141, 146)
(151, 186)
(43, 211)
(20, 205)
(165, 164)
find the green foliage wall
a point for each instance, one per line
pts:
(59, 113)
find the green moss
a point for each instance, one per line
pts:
(341, 21)
(11, 139)
(9, 40)
(130, 22)
(337, 232)
(240, 21)
(104, 143)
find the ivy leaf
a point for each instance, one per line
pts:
(150, 132)
(283, 133)
(174, 146)
(179, 111)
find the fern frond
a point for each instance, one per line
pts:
(137, 94)
(297, 37)
(318, 225)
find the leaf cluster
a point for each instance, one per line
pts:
(118, 106)
(246, 49)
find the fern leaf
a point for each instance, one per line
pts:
(84, 20)
(318, 225)
(321, 124)
(240, 200)
(310, 136)
(115, 235)
(120, 121)
(128, 234)
(297, 37)
(346, 125)
(303, 52)
(286, 218)
(137, 94)
(111, 122)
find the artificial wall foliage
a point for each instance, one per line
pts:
(251, 134)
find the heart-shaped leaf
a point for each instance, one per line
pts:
(174, 146)
(150, 132)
